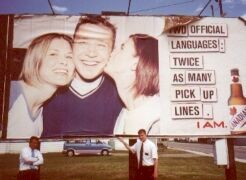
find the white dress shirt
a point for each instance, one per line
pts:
(27, 161)
(149, 152)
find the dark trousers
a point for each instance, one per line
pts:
(31, 174)
(145, 173)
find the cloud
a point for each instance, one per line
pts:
(199, 9)
(228, 1)
(243, 16)
(243, 1)
(60, 8)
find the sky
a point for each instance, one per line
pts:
(231, 8)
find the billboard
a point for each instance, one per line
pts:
(113, 75)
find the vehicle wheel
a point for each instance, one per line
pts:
(70, 153)
(104, 153)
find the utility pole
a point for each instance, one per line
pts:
(129, 6)
(212, 10)
(220, 7)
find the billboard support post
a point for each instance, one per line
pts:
(230, 170)
(6, 34)
(132, 161)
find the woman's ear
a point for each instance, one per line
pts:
(134, 63)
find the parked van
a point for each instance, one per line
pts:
(86, 146)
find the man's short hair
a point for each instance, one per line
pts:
(96, 20)
(33, 138)
(140, 131)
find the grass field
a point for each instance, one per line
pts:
(115, 167)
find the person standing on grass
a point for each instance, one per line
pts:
(30, 159)
(147, 156)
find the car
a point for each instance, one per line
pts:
(86, 146)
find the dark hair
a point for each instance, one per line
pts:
(140, 131)
(147, 71)
(33, 138)
(97, 20)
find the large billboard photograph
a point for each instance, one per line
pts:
(113, 75)
(89, 76)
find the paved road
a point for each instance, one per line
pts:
(207, 149)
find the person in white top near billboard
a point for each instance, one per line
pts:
(147, 156)
(30, 160)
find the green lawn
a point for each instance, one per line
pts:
(60, 167)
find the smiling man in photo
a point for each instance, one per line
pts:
(90, 106)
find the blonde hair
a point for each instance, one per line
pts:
(35, 54)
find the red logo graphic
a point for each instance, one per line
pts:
(233, 111)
